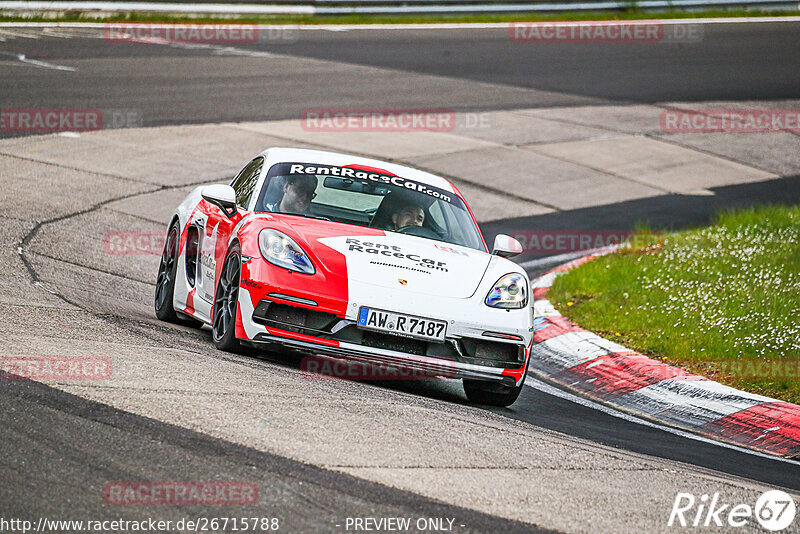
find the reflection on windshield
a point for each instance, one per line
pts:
(365, 197)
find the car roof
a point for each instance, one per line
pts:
(303, 155)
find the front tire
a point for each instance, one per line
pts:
(492, 393)
(226, 303)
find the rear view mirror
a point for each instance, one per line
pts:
(506, 246)
(222, 196)
(357, 186)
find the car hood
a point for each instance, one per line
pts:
(392, 260)
(383, 259)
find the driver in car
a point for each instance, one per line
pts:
(298, 191)
(405, 216)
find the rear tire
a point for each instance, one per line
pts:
(165, 282)
(492, 393)
(226, 303)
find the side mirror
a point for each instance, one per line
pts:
(506, 246)
(221, 195)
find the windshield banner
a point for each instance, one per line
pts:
(359, 173)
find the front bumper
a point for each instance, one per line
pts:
(323, 333)
(420, 365)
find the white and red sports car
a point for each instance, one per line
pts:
(354, 258)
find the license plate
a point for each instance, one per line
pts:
(401, 324)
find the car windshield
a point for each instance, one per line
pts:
(368, 197)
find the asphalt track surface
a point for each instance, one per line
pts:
(78, 444)
(177, 85)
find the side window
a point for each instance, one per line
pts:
(246, 181)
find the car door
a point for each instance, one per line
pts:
(215, 229)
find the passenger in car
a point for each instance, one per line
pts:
(406, 215)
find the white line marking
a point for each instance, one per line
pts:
(557, 260)
(45, 65)
(544, 387)
(561, 259)
(21, 35)
(505, 25)
(435, 26)
(37, 63)
(219, 50)
(161, 7)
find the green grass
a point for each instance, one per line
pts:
(703, 299)
(631, 14)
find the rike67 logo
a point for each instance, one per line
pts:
(774, 510)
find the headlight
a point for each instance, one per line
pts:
(281, 250)
(511, 291)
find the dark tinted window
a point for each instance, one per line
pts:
(245, 182)
(366, 197)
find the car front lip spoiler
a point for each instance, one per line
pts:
(432, 367)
